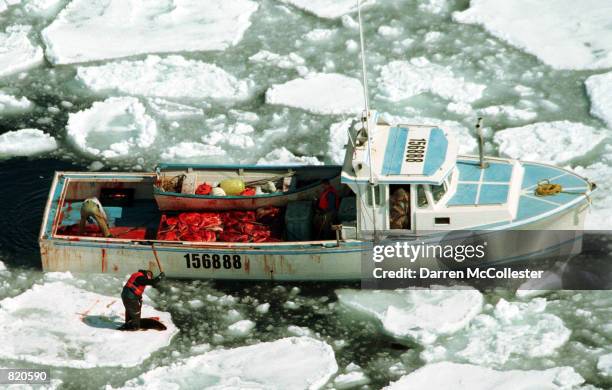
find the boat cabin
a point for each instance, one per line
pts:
(441, 190)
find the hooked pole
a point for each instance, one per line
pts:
(483, 164)
(366, 118)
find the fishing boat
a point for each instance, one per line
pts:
(158, 223)
(447, 192)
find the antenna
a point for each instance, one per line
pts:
(363, 61)
(366, 118)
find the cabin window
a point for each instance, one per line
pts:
(421, 197)
(438, 191)
(373, 191)
(442, 221)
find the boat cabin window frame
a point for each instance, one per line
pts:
(421, 194)
(378, 195)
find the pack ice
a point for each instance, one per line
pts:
(401, 80)
(112, 128)
(292, 363)
(10, 103)
(329, 9)
(513, 331)
(17, 52)
(419, 315)
(170, 77)
(58, 324)
(550, 142)
(26, 142)
(319, 93)
(580, 39)
(599, 88)
(88, 30)
(455, 376)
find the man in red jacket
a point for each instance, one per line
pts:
(132, 296)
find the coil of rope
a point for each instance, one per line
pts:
(546, 188)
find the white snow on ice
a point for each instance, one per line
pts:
(415, 314)
(26, 142)
(455, 376)
(600, 215)
(12, 104)
(170, 77)
(599, 88)
(328, 9)
(292, 363)
(551, 142)
(112, 128)
(401, 80)
(88, 30)
(564, 34)
(79, 329)
(319, 93)
(17, 52)
(338, 138)
(191, 151)
(173, 111)
(282, 156)
(604, 364)
(515, 330)
(288, 61)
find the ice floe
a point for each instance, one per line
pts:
(455, 376)
(173, 111)
(415, 314)
(600, 215)
(320, 34)
(241, 328)
(11, 104)
(112, 128)
(78, 330)
(26, 142)
(604, 364)
(170, 77)
(191, 151)
(338, 138)
(401, 80)
(580, 39)
(88, 30)
(17, 52)
(289, 61)
(599, 88)
(551, 142)
(319, 93)
(329, 9)
(514, 330)
(508, 112)
(235, 135)
(291, 363)
(282, 156)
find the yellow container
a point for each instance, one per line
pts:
(232, 186)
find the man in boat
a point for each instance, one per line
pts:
(400, 209)
(92, 208)
(132, 296)
(327, 209)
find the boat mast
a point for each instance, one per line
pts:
(366, 117)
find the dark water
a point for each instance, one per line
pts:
(26, 184)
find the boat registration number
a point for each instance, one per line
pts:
(415, 151)
(206, 260)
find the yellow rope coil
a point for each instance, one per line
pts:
(546, 188)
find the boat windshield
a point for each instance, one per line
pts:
(438, 191)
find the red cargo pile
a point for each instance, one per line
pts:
(228, 226)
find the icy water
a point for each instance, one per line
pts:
(425, 62)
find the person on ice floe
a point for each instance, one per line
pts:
(132, 296)
(92, 208)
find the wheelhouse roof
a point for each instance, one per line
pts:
(410, 154)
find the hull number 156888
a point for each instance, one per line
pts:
(206, 260)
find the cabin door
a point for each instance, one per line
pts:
(400, 213)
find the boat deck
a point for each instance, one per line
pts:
(487, 187)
